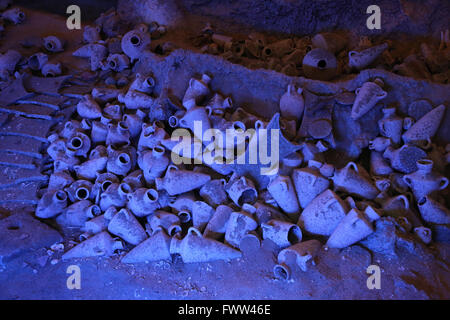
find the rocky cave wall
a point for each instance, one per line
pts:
(413, 17)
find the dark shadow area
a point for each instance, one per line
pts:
(90, 10)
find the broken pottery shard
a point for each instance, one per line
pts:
(213, 192)
(433, 212)
(426, 127)
(424, 234)
(217, 226)
(281, 233)
(238, 226)
(300, 254)
(201, 214)
(282, 190)
(241, 190)
(164, 220)
(196, 248)
(323, 214)
(155, 248)
(125, 225)
(101, 244)
(353, 228)
(309, 183)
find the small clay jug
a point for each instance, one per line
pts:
(424, 181)
(292, 103)
(349, 179)
(391, 125)
(309, 183)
